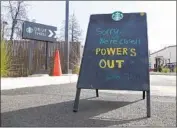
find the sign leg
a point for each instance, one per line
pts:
(144, 92)
(47, 57)
(97, 94)
(148, 104)
(76, 102)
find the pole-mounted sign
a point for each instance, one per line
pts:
(39, 32)
(36, 31)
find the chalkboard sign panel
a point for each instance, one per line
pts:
(116, 53)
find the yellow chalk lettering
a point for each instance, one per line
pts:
(102, 63)
(111, 51)
(133, 52)
(110, 65)
(119, 51)
(125, 51)
(120, 63)
(97, 50)
(103, 51)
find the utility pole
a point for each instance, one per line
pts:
(66, 37)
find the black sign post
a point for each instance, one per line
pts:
(30, 51)
(40, 32)
(47, 56)
(115, 55)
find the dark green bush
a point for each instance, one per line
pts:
(76, 69)
(5, 59)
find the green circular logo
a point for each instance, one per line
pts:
(116, 16)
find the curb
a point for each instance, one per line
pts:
(167, 74)
(38, 75)
(34, 81)
(14, 83)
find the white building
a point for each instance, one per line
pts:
(166, 55)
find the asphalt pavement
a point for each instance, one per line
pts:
(160, 85)
(51, 106)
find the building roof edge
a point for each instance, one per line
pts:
(162, 49)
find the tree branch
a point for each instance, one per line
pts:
(11, 10)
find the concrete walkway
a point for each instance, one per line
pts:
(161, 85)
(21, 82)
(161, 73)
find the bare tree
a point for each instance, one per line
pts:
(3, 26)
(17, 11)
(74, 61)
(74, 30)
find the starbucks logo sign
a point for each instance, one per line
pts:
(116, 16)
(29, 30)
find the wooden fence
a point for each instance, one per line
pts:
(20, 51)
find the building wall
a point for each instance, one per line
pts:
(166, 53)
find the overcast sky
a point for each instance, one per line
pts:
(161, 16)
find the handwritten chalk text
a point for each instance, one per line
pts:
(110, 31)
(116, 51)
(111, 77)
(115, 36)
(131, 76)
(110, 63)
(119, 41)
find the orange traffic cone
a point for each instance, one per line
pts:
(57, 66)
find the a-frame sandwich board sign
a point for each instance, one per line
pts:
(115, 55)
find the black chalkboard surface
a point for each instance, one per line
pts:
(116, 53)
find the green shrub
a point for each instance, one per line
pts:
(165, 70)
(76, 69)
(175, 70)
(5, 60)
